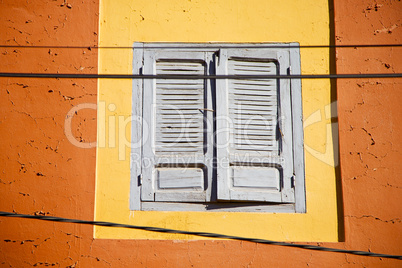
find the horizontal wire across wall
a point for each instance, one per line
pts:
(238, 77)
(202, 234)
(182, 46)
(233, 45)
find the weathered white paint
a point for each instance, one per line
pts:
(264, 124)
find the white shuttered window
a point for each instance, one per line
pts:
(217, 144)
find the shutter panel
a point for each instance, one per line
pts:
(136, 129)
(255, 127)
(175, 166)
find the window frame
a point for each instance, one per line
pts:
(299, 205)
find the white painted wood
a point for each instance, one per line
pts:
(255, 195)
(285, 129)
(297, 118)
(174, 109)
(244, 93)
(149, 111)
(179, 178)
(270, 139)
(136, 130)
(256, 177)
(219, 207)
(180, 185)
(180, 196)
(255, 102)
(170, 107)
(224, 128)
(179, 161)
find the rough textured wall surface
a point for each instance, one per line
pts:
(43, 173)
(369, 112)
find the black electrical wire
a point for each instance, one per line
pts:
(171, 76)
(203, 234)
(210, 45)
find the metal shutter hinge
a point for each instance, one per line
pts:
(139, 179)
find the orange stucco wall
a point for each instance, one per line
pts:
(43, 173)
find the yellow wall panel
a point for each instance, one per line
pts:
(124, 22)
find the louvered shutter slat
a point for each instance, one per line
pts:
(255, 141)
(169, 94)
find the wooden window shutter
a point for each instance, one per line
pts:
(178, 151)
(254, 127)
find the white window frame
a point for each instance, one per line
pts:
(293, 199)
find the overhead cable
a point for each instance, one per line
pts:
(202, 234)
(210, 45)
(172, 76)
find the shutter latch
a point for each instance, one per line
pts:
(203, 109)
